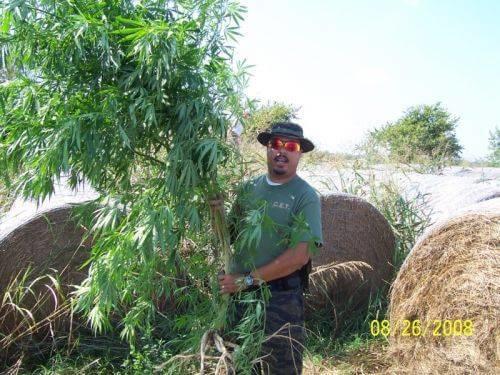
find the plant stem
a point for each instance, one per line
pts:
(222, 233)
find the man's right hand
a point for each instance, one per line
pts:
(231, 283)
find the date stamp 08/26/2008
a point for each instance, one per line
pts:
(417, 328)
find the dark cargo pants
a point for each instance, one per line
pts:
(284, 328)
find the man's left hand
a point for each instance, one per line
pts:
(231, 283)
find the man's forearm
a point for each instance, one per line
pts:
(291, 260)
(288, 262)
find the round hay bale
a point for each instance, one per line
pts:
(48, 240)
(51, 243)
(336, 286)
(356, 258)
(451, 274)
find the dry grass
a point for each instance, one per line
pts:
(336, 292)
(368, 358)
(33, 315)
(452, 273)
(328, 281)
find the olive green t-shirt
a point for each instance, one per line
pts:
(278, 216)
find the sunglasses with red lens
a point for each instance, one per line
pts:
(290, 146)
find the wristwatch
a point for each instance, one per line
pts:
(248, 280)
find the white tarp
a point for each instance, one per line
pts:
(23, 210)
(454, 189)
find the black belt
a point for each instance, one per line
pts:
(289, 282)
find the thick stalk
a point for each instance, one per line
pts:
(219, 225)
(220, 228)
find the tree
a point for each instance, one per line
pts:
(263, 117)
(494, 147)
(425, 131)
(134, 97)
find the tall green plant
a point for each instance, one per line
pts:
(105, 90)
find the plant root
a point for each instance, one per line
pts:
(225, 360)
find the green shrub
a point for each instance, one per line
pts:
(264, 116)
(494, 146)
(424, 133)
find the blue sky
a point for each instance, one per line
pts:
(354, 65)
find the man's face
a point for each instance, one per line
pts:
(281, 163)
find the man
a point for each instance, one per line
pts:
(281, 257)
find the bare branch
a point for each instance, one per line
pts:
(150, 158)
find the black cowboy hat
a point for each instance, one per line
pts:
(287, 130)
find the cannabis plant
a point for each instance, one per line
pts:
(134, 97)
